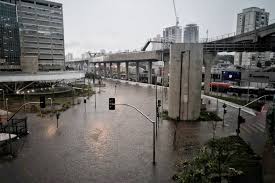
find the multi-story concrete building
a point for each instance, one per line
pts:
(41, 32)
(172, 34)
(191, 33)
(249, 20)
(9, 37)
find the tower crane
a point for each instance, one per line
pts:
(175, 10)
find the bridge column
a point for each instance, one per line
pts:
(111, 70)
(166, 73)
(150, 72)
(100, 69)
(184, 97)
(137, 71)
(208, 59)
(127, 70)
(118, 70)
(94, 68)
(105, 70)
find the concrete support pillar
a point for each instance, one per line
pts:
(105, 70)
(166, 73)
(111, 70)
(184, 98)
(208, 59)
(137, 71)
(127, 70)
(118, 70)
(150, 72)
(88, 66)
(100, 69)
(94, 68)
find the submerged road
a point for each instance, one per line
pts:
(98, 145)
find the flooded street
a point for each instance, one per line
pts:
(98, 145)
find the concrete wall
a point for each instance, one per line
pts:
(29, 64)
(186, 104)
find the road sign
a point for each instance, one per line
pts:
(112, 103)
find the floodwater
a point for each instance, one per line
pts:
(98, 145)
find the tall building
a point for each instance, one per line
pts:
(191, 33)
(41, 32)
(69, 57)
(249, 20)
(9, 37)
(172, 34)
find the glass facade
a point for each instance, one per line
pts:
(9, 34)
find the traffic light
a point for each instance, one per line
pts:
(112, 103)
(85, 101)
(42, 101)
(241, 120)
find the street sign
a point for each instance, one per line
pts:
(112, 103)
(42, 101)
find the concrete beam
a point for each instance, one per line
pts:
(184, 98)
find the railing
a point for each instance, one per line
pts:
(224, 36)
(18, 127)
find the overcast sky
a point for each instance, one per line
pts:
(126, 24)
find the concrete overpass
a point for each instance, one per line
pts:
(259, 40)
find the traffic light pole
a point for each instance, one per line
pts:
(240, 118)
(154, 128)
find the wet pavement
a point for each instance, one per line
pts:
(98, 145)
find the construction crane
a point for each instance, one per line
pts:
(175, 10)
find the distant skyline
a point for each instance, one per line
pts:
(128, 24)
